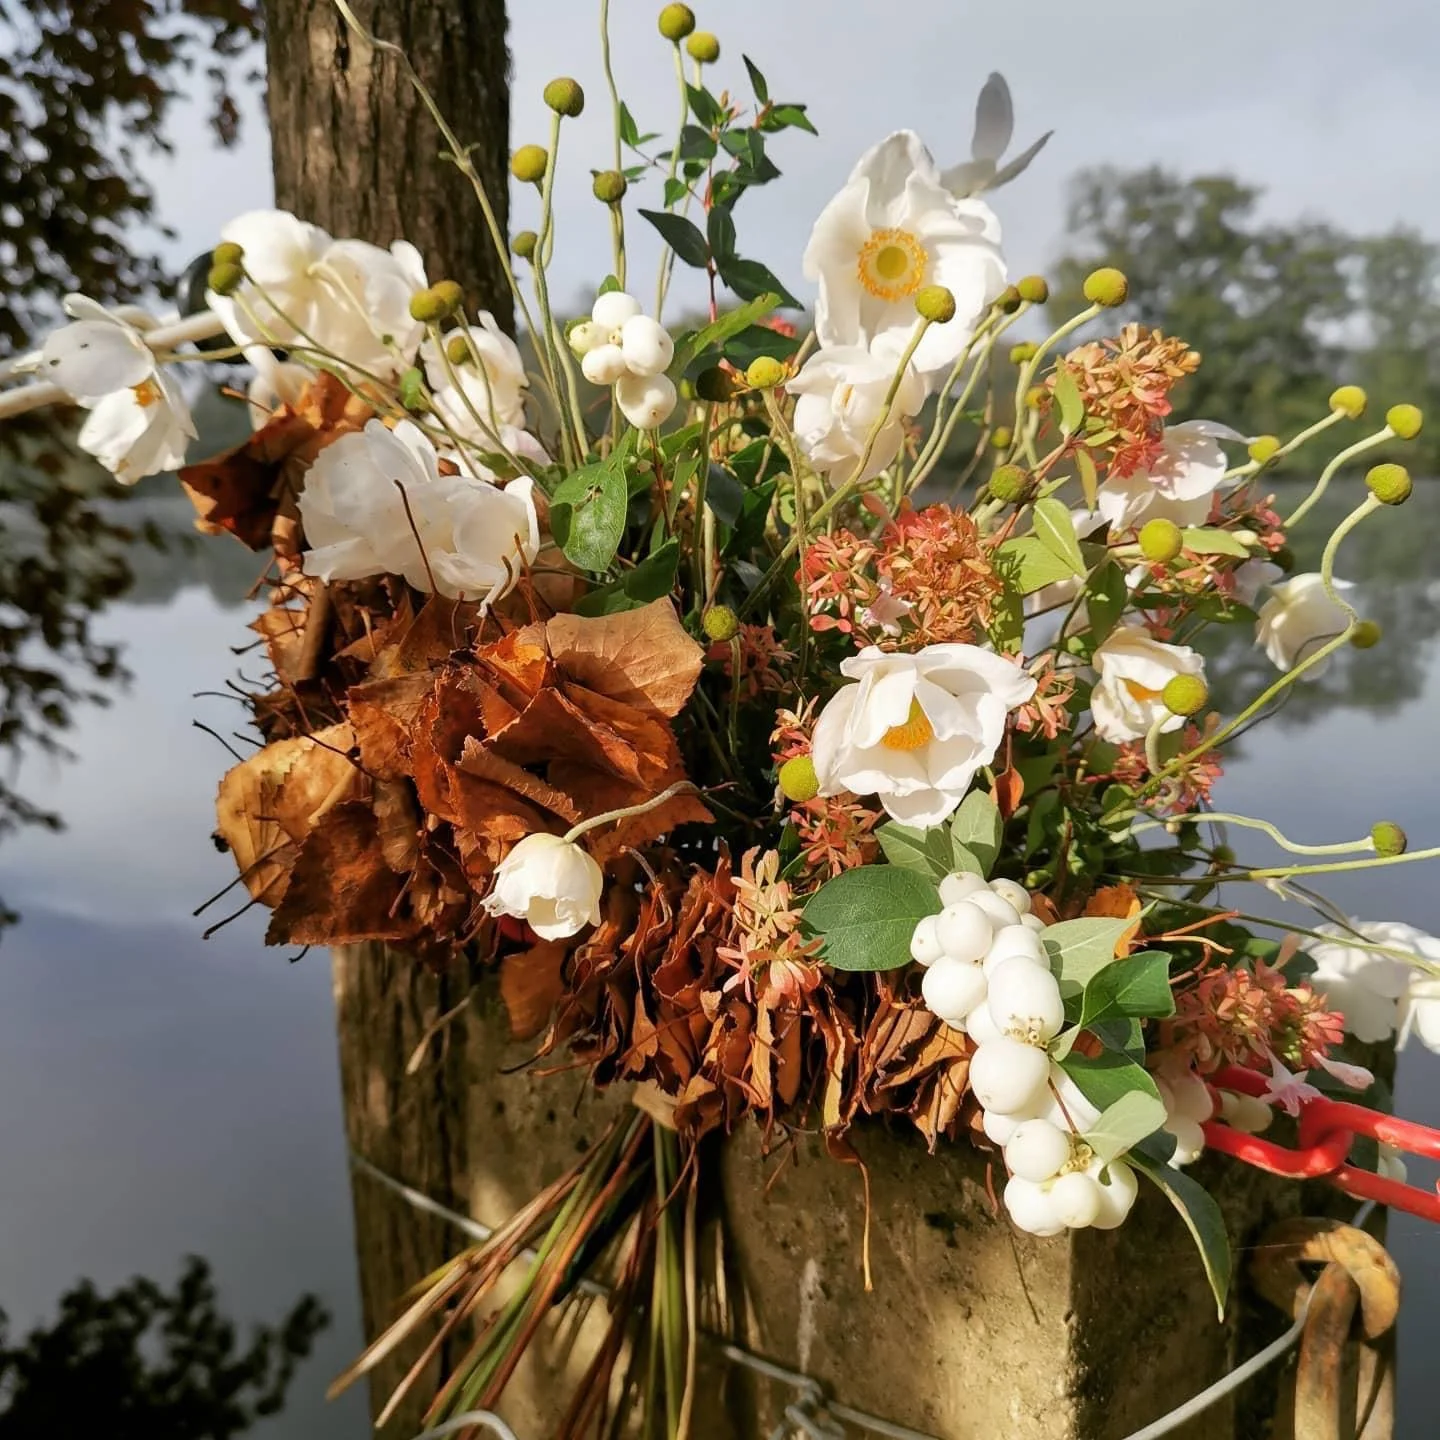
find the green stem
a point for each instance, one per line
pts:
(1031, 368)
(1328, 473)
(667, 256)
(1244, 822)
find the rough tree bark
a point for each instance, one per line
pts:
(355, 150)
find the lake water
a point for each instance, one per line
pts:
(162, 1095)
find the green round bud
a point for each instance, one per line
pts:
(1160, 542)
(524, 244)
(676, 21)
(1033, 288)
(1010, 484)
(1008, 301)
(764, 373)
(1405, 420)
(1222, 855)
(1001, 436)
(798, 781)
(1388, 838)
(226, 278)
(412, 389)
(450, 294)
(1037, 397)
(1263, 447)
(457, 350)
(720, 622)
(1106, 286)
(428, 307)
(1389, 483)
(529, 164)
(1349, 400)
(565, 97)
(935, 303)
(1184, 694)
(1021, 351)
(610, 186)
(717, 384)
(704, 47)
(1366, 635)
(227, 252)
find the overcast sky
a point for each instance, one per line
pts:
(1331, 106)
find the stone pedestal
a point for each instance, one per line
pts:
(971, 1331)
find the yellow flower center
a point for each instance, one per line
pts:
(1140, 692)
(147, 392)
(892, 264)
(916, 732)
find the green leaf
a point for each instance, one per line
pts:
(964, 861)
(695, 144)
(629, 131)
(652, 579)
(724, 495)
(749, 279)
(587, 511)
(1054, 528)
(609, 285)
(867, 916)
(757, 340)
(1089, 478)
(1137, 986)
(681, 235)
(705, 107)
(757, 81)
(674, 190)
(926, 852)
(720, 228)
(1201, 1216)
(1028, 565)
(1107, 1077)
(977, 826)
(1105, 598)
(1067, 396)
(1125, 1124)
(1214, 542)
(731, 323)
(783, 116)
(1079, 949)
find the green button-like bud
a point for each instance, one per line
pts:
(1008, 301)
(1010, 484)
(1034, 288)
(1160, 542)
(524, 244)
(1349, 400)
(565, 97)
(1263, 447)
(720, 622)
(1184, 694)
(935, 303)
(1405, 420)
(227, 252)
(449, 293)
(704, 47)
(610, 187)
(428, 307)
(1000, 437)
(1388, 838)
(798, 781)
(457, 350)
(1366, 635)
(676, 21)
(529, 164)
(1021, 351)
(225, 279)
(1037, 397)
(718, 384)
(764, 372)
(1389, 483)
(412, 389)
(1106, 286)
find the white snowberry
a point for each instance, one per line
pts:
(1013, 893)
(925, 943)
(1032, 922)
(585, 336)
(964, 932)
(1025, 1002)
(1038, 1150)
(604, 364)
(980, 1025)
(958, 887)
(1000, 912)
(1076, 1199)
(1015, 942)
(646, 401)
(952, 989)
(1118, 1188)
(647, 345)
(1031, 1207)
(1189, 1140)
(612, 310)
(1008, 1075)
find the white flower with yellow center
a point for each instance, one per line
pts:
(1298, 618)
(893, 229)
(1180, 485)
(915, 729)
(1134, 670)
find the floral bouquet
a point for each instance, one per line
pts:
(805, 720)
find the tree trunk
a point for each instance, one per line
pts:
(354, 148)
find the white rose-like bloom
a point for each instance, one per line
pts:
(356, 525)
(842, 394)
(891, 230)
(1299, 617)
(491, 382)
(346, 295)
(1377, 994)
(1134, 670)
(1178, 487)
(915, 728)
(549, 882)
(140, 431)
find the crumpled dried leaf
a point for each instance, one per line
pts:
(1118, 902)
(642, 657)
(531, 984)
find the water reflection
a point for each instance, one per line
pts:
(163, 1096)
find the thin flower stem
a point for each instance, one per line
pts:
(1031, 368)
(1328, 473)
(613, 88)
(1253, 467)
(491, 431)
(1351, 940)
(1334, 867)
(629, 812)
(1244, 822)
(703, 537)
(1152, 741)
(667, 256)
(935, 447)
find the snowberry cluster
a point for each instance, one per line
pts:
(987, 974)
(619, 346)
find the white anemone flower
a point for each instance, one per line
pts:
(549, 882)
(1297, 619)
(101, 352)
(915, 728)
(891, 230)
(140, 431)
(1134, 669)
(484, 392)
(1379, 994)
(1179, 486)
(350, 298)
(471, 536)
(842, 392)
(994, 126)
